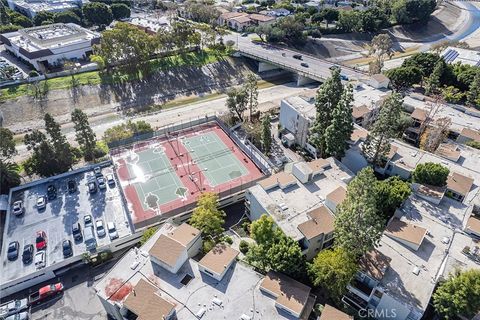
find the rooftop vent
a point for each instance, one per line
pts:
(416, 271)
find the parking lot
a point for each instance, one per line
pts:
(57, 218)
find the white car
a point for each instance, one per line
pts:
(13, 307)
(18, 208)
(100, 229)
(110, 179)
(41, 202)
(112, 231)
(40, 259)
(19, 316)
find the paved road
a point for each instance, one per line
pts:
(184, 113)
(316, 68)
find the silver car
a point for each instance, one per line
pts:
(18, 208)
(19, 316)
(112, 231)
(100, 228)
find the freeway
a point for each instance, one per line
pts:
(308, 66)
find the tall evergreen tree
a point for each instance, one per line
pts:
(4, 18)
(433, 82)
(43, 160)
(266, 134)
(7, 145)
(473, 95)
(84, 134)
(251, 89)
(387, 126)
(359, 224)
(63, 150)
(339, 131)
(327, 98)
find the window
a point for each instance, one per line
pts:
(208, 272)
(186, 279)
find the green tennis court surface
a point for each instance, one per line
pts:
(155, 181)
(215, 159)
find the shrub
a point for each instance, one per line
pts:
(147, 234)
(228, 239)
(33, 73)
(431, 173)
(244, 246)
(208, 245)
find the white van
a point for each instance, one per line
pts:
(89, 238)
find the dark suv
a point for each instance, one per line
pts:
(51, 192)
(77, 231)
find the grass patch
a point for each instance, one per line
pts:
(120, 75)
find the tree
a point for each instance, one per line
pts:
(330, 15)
(380, 48)
(42, 16)
(7, 147)
(459, 295)
(425, 61)
(67, 17)
(328, 96)
(126, 130)
(120, 11)
(403, 78)
(237, 102)
(333, 270)
(373, 19)
(350, 21)
(4, 18)
(20, 20)
(358, 224)
(387, 126)
(9, 176)
(84, 134)
(251, 89)
(338, 133)
(434, 134)
(430, 173)
(207, 217)
(63, 150)
(433, 82)
(266, 134)
(147, 234)
(97, 13)
(390, 194)
(473, 95)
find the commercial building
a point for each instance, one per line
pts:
(215, 287)
(459, 55)
(64, 208)
(302, 200)
(150, 25)
(49, 46)
(30, 8)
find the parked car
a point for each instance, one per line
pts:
(97, 171)
(303, 64)
(41, 202)
(40, 259)
(51, 192)
(41, 240)
(101, 183)
(298, 56)
(100, 228)
(45, 292)
(92, 187)
(27, 254)
(110, 179)
(72, 186)
(89, 239)
(112, 231)
(12, 253)
(12, 307)
(67, 248)
(18, 208)
(77, 232)
(87, 221)
(18, 316)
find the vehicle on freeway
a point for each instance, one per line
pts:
(92, 187)
(72, 186)
(18, 208)
(45, 292)
(101, 183)
(297, 56)
(334, 67)
(13, 307)
(87, 221)
(100, 228)
(27, 254)
(89, 238)
(303, 64)
(18, 316)
(67, 248)
(245, 34)
(41, 202)
(12, 253)
(51, 192)
(40, 259)
(343, 77)
(112, 231)
(110, 179)
(41, 240)
(77, 231)
(97, 171)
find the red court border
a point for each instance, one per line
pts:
(138, 213)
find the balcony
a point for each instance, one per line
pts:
(362, 287)
(355, 301)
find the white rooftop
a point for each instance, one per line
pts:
(289, 206)
(153, 24)
(464, 56)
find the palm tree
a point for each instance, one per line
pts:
(9, 176)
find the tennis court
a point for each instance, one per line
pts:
(154, 178)
(217, 161)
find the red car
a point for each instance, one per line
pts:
(41, 241)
